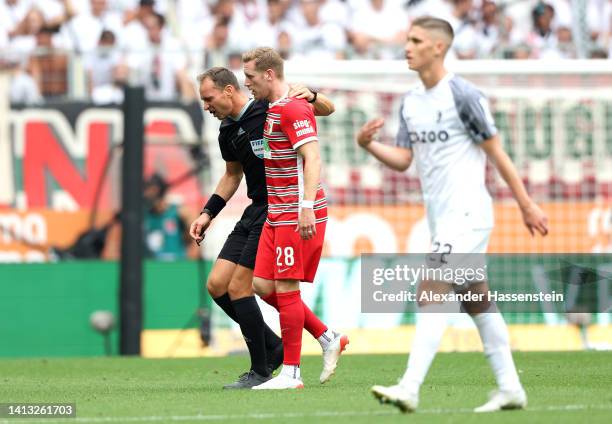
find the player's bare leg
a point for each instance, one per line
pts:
(496, 342)
(219, 277)
(432, 320)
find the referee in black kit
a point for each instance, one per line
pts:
(230, 280)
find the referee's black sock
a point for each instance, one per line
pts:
(272, 340)
(225, 303)
(252, 325)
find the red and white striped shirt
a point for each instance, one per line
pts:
(290, 124)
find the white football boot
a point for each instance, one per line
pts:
(281, 382)
(398, 395)
(331, 356)
(504, 400)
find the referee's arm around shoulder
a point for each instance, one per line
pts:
(323, 106)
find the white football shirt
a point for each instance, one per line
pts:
(443, 126)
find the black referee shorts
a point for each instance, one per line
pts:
(241, 245)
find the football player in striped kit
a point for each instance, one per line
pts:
(292, 238)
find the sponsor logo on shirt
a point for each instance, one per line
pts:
(427, 136)
(302, 127)
(304, 131)
(301, 124)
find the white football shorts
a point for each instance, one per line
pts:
(458, 251)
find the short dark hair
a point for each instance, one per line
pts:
(436, 24)
(49, 29)
(156, 180)
(107, 35)
(161, 19)
(221, 77)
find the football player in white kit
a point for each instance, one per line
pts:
(447, 129)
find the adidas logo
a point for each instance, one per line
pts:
(240, 131)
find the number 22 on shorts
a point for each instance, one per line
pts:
(284, 257)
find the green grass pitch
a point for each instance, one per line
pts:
(562, 388)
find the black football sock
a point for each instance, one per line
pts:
(225, 303)
(252, 327)
(272, 340)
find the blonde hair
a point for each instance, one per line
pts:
(265, 58)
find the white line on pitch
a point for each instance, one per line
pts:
(272, 415)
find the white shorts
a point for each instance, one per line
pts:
(460, 253)
(461, 241)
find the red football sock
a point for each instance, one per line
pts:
(291, 314)
(312, 324)
(271, 300)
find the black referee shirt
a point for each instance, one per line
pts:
(242, 141)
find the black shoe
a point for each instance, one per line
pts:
(275, 358)
(247, 380)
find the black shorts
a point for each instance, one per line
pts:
(241, 245)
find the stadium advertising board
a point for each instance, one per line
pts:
(46, 194)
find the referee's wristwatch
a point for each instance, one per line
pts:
(207, 212)
(314, 98)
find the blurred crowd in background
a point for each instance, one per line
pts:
(49, 46)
